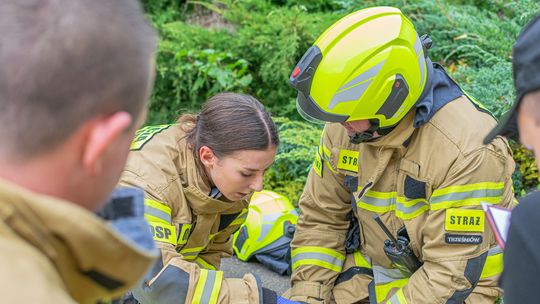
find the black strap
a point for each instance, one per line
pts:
(351, 272)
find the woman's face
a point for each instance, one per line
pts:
(239, 174)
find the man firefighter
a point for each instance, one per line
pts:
(391, 209)
(75, 79)
(522, 123)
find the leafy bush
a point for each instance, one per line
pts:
(299, 141)
(260, 43)
(194, 76)
(251, 46)
(526, 177)
(491, 85)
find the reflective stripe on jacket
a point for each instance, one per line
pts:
(430, 180)
(192, 229)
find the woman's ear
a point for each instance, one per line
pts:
(207, 156)
(103, 133)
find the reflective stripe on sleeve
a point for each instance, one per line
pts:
(381, 202)
(360, 260)
(398, 298)
(204, 264)
(382, 290)
(155, 211)
(494, 263)
(208, 287)
(387, 279)
(191, 253)
(318, 256)
(383, 275)
(466, 195)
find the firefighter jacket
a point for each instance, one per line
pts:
(56, 252)
(191, 226)
(430, 180)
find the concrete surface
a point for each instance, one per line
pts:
(234, 268)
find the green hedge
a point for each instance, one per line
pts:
(252, 45)
(295, 157)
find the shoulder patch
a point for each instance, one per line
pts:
(163, 232)
(142, 136)
(466, 239)
(348, 160)
(464, 220)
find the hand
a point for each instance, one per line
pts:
(270, 297)
(281, 300)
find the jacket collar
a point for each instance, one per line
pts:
(198, 185)
(400, 135)
(93, 260)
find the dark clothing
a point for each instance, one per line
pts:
(443, 90)
(520, 280)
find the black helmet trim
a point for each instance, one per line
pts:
(400, 89)
(301, 79)
(393, 102)
(302, 75)
(310, 109)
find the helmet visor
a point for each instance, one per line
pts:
(310, 111)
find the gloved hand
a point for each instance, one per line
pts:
(270, 297)
(281, 300)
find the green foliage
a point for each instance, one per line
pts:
(162, 11)
(460, 32)
(296, 153)
(251, 46)
(526, 176)
(492, 85)
(268, 43)
(312, 5)
(273, 41)
(191, 76)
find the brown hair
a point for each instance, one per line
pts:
(64, 62)
(230, 122)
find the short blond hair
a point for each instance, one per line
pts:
(63, 62)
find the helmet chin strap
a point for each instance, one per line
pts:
(369, 134)
(361, 137)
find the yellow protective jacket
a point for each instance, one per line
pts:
(429, 180)
(56, 252)
(192, 230)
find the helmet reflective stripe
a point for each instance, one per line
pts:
(353, 89)
(419, 50)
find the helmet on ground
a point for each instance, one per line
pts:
(267, 232)
(369, 65)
